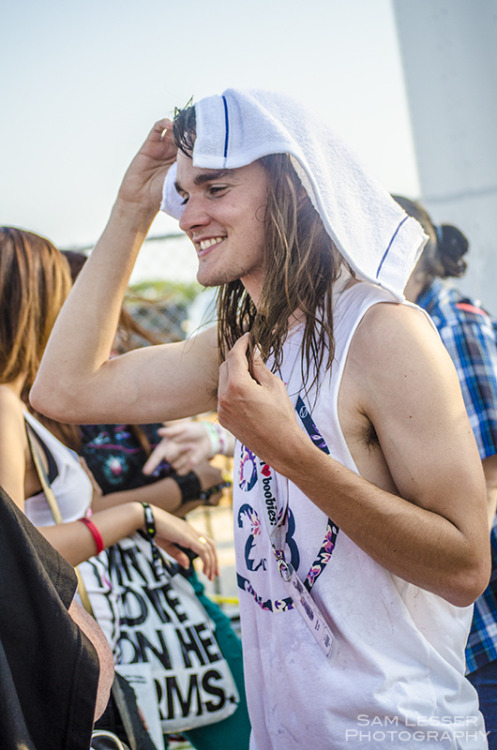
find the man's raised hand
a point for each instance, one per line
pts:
(144, 178)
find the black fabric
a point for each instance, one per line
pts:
(115, 456)
(48, 668)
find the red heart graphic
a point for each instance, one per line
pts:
(266, 470)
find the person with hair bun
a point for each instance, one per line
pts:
(469, 334)
(442, 256)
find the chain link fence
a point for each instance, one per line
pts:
(162, 288)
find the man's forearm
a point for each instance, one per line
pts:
(84, 332)
(414, 543)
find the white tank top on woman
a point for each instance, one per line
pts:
(73, 491)
(70, 483)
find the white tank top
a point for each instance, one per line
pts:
(397, 679)
(73, 491)
(68, 480)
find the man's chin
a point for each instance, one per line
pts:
(207, 283)
(207, 280)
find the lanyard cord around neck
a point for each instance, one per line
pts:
(277, 530)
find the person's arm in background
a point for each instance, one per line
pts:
(173, 493)
(168, 493)
(186, 443)
(471, 344)
(74, 540)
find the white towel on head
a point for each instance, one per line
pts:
(371, 231)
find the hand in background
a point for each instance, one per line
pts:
(187, 443)
(172, 534)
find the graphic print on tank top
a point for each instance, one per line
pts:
(257, 479)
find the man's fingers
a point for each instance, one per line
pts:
(237, 367)
(260, 371)
(238, 352)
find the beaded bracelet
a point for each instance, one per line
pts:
(149, 533)
(206, 495)
(97, 536)
(149, 520)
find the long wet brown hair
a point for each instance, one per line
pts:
(301, 264)
(34, 282)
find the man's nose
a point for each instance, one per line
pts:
(193, 216)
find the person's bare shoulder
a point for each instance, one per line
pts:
(403, 382)
(11, 412)
(396, 346)
(13, 445)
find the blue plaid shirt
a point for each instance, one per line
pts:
(470, 337)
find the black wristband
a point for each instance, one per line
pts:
(149, 520)
(189, 485)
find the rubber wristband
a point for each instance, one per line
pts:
(149, 520)
(97, 536)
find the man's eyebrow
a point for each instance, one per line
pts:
(203, 177)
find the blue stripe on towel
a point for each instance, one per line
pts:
(390, 245)
(227, 127)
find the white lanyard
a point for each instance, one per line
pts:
(301, 597)
(276, 524)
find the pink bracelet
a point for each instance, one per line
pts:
(95, 533)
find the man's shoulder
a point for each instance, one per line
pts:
(377, 324)
(393, 340)
(355, 301)
(390, 317)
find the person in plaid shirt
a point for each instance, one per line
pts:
(470, 336)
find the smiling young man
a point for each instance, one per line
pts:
(359, 500)
(227, 231)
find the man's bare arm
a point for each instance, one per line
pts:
(427, 523)
(77, 382)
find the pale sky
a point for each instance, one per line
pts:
(82, 84)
